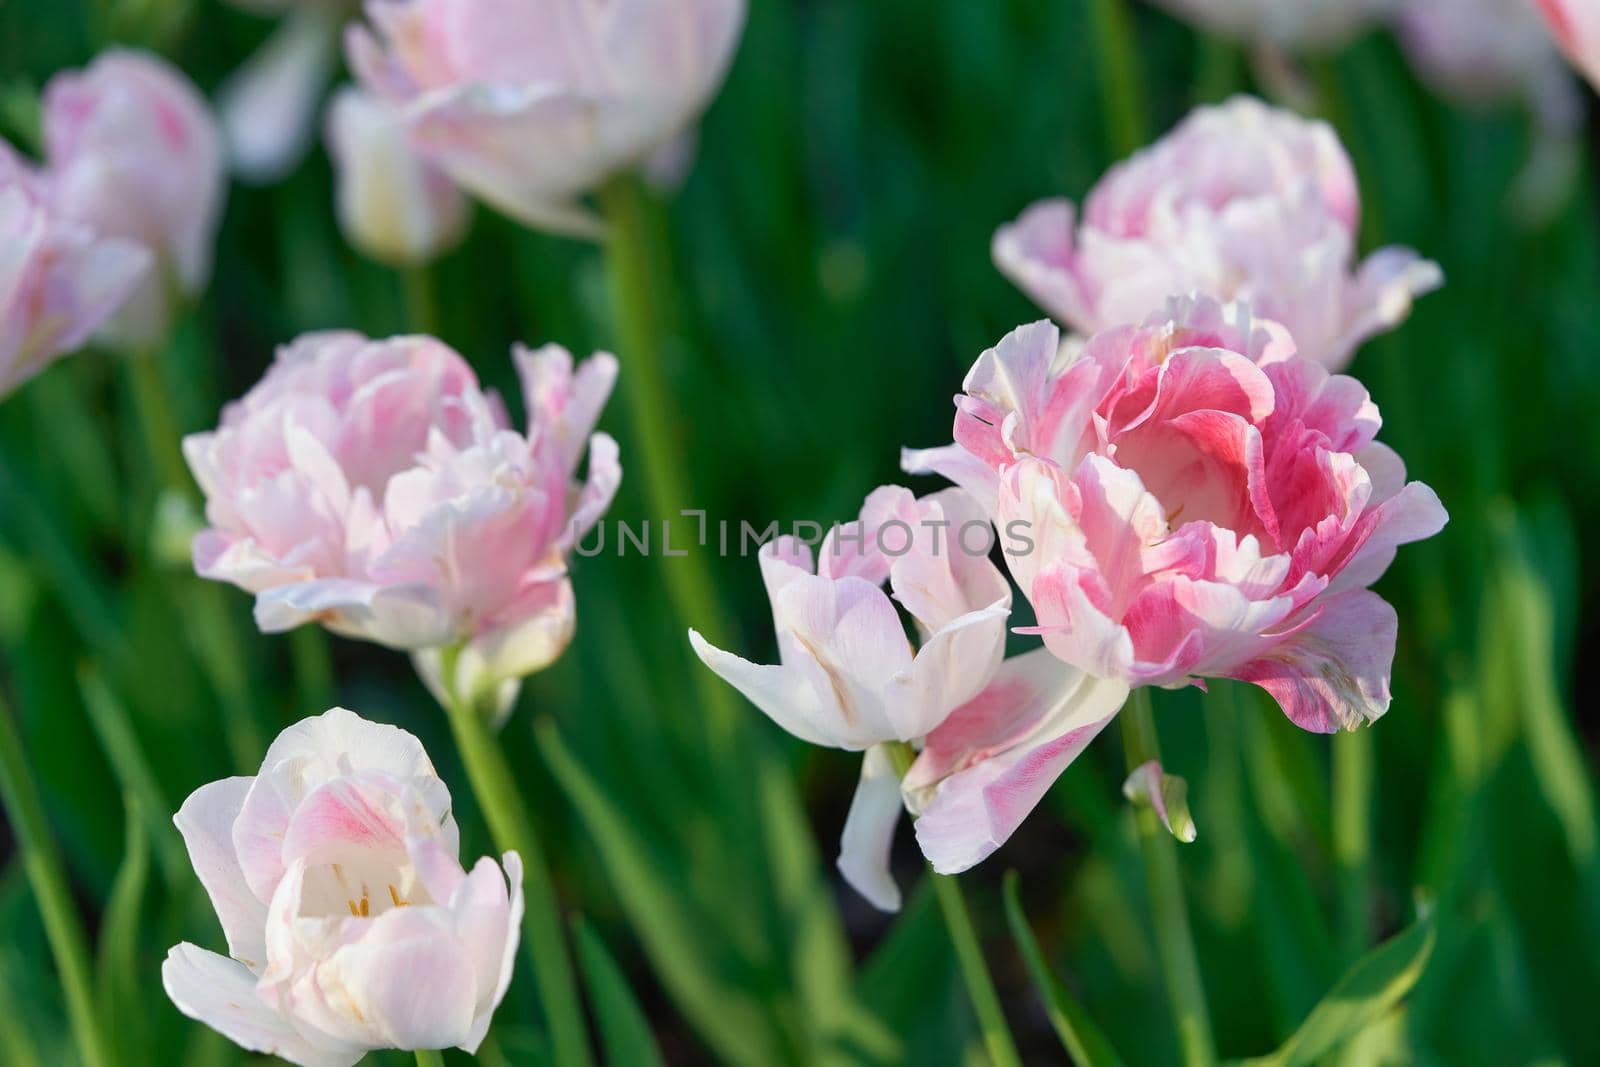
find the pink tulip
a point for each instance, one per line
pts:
(1240, 202)
(133, 151)
(1576, 27)
(1198, 502)
(59, 280)
(393, 205)
(533, 103)
(848, 677)
(1297, 24)
(351, 924)
(374, 487)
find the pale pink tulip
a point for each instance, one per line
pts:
(848, 677)
(393, 205)
(350, 922)
(533, 103)
(1241, 202)
(132, 150)
(1576, 27)
(1195, 501)
(59, 280)
(1298, 24)
(374, 487)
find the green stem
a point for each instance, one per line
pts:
(1174, 942)
(312, 666)
(1119, 75)
(427, 1057)
(157, 422)
(422, 302)
(62, 927)
(512, 830)
(969, 952)
(638, 277)
(1352, 838)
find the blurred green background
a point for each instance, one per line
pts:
(833, 284)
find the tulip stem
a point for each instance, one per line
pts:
(42, 862)
(512, 829)
(422, 303)
(428, 1057)
(638, 277)
(1352, 838)
(1174, 942)
(969, 952)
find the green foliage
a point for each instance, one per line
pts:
(832, 284)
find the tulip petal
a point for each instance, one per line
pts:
(784, 694)
(489, 923)
(409, 979)
(221, 993)
(992, 761)
(868, 835)
(1333, 674)
(206, 822)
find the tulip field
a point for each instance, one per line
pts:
(491, 569)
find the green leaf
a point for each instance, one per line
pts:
(121, 745)
(729, 1019)
(624, 1029)
(117, 976)
(1079, 1035)
(1369, 990)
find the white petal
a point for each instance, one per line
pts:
(869, 831)
(219, 992)
(206, 823)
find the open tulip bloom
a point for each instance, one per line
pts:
(351, 924)
(1201, 502)
(531, 104)
(60, 280)
(994, 732)
(1181, 500)
(375, 487)
(1240, 202)
(132, 150)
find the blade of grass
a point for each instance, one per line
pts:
(46, 875)
(624, 1029)
(1079, 1035)
(120, 743)
(117, 969)
(729, 1019)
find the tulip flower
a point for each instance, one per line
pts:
(1200, 503)
(1575, 25)
(393, 205)
(59, 279)
(133, 152)
(351, 924)
(374, 487)
(1241, 202)
(1294, 24)
(848, 678)
(530, 104)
